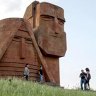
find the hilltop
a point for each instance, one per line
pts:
(18, 87)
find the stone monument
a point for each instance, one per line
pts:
(37, 39)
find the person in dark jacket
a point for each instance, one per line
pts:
(41, 73)
(88, 77)
(83, 80)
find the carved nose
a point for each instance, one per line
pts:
(56, 27)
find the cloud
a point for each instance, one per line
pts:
(11, 5)
(10, 8)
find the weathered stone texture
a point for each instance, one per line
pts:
(17, 49)
(47, 21)
(37, 39)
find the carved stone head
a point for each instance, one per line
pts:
(49, 20)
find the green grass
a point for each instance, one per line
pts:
(17, 87)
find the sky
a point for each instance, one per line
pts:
(80, 28)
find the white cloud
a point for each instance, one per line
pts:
(10, 5)
(10, 8)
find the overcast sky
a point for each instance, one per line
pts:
(80, 28)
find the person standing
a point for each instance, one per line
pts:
(41, 74)
(88, 77)
(26, 72)
(83, 80)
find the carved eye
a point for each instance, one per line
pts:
(47, 17)
(28, 39)
(17, 37)
(61, 21)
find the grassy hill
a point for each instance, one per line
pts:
(18, 87)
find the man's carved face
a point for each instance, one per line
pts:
(51, 36)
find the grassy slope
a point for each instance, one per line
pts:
(23, 88)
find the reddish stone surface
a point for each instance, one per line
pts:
(17, 49)
(37, 39)
(47, 21)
